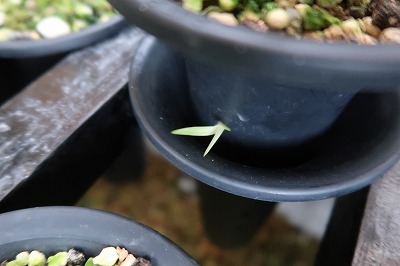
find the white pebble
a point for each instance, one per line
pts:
(53, 27)
(277, 19)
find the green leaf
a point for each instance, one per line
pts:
(201, 131)
(22, 258)
(89, 262)
(36, 258)
(195, 131)
(193, 5)
(59, 259)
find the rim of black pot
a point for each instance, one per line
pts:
(318, 179)
(66, 225)
(245, 50)
(69, 42)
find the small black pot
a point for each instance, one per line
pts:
(54, 229)
(273, 91)
(280, 59)
(23, 61)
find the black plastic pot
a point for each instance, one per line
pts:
(273, 91)
(360, 146)
(54, 229)
(260, 113)
(280, 59)
(23, 61)
(241, 185)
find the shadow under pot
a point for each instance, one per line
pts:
(22, 61)
(58, 228)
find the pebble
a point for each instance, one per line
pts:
(390, 36)
(277, 19)
(53, 27)
(224, 18)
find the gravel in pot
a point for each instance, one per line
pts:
(95, 233)
(31, 43)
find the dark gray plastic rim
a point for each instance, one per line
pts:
(73, 41)
(93, 225)
(244, 49)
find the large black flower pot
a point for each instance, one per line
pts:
(54, 229)
(23, 61)
(309, 120)
(271, 90)
(360, 146)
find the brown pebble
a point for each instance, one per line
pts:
(390, 35)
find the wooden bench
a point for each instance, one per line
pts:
(61, 133)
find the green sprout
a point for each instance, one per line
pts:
(89, 262)
(193, 5)
(318, 19)
(198, 131)
(59, 259)
(36, 258)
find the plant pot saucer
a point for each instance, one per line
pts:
(59, 228)
(361, 145)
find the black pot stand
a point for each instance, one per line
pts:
(361, 145)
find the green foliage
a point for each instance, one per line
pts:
(89, 262)
(193, 5)
(59, 259)
(215, 130)
(36, 258)
(269, 6)
(318, 19)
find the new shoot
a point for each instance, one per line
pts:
(200, 131)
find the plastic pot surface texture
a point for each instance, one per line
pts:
(54, 229)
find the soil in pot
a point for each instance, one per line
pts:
(364, 22)
(108, 256)
(35, 35)
(59, 228)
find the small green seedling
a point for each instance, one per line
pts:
(59, 259)
(36, 258)
(199, 131)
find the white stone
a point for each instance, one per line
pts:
(53, 27)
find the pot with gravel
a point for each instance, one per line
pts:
(58, 236)
(302, 86)
(34, 35)
(275, 89)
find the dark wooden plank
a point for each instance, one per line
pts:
(81, 100)
(379, 239)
